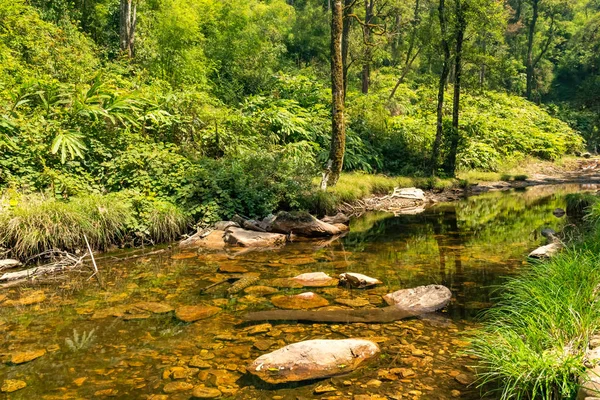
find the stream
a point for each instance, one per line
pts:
(91, 343)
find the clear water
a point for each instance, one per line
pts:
(470, 246)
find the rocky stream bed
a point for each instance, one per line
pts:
(154, 333)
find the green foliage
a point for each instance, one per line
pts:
(534, 341)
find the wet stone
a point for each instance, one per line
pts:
(154, 307)
(263, 344)
(12, 385)
(26, 356)
(195, 313)
(177, 387)
(202, 392)
(256, 329)
(198, 362)
(260, 290)
(358, 302)
(324, 389)
(463, 379)
(232, 269)
(299, 301)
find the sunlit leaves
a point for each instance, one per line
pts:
(68, 143)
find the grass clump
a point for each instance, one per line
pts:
(32, 224)
(533, 342)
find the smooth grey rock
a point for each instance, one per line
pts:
(313, 359)
(421, 299)
(241, 237)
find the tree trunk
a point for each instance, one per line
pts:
(366, 70)
(127, 26)
(530, 37)
(346, 40)
(442, 86)
(409, 57)
(461, 26)
(338, 129)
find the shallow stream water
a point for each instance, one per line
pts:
(97, 346)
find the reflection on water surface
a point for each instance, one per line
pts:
(98, 344)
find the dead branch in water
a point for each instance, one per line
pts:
(62, 261)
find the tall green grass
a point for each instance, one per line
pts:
(533, 342)
(32, 224)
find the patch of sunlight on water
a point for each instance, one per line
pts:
(125, 341)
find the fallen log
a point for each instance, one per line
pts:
(374, 315)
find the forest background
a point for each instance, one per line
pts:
(138, 119)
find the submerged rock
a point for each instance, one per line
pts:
(195, 313)
(421, 299)
(245, 281)
(203, 392)
(303, 224)
(177, 387)
(260, 290)
(12, 385)
(153, 307)
(315, 279)
(358, 302)
(244, 238)
(299, 301)
(547, 251)
(313, 359)
(26, 356)
(359, 281)
(559, 212)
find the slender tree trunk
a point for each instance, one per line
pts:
(461, 26)
(346, 40)
(442, 86)
(338, 129)
(127, 26)
(366, 70)
(530, 37)
(409, 57)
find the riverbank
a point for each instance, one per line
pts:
(535, 340)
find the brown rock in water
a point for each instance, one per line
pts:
(244, 238)
(313, 359)
(12, 385)
(315, 279)
(263, 345)
(359, 281)
(260, 290)
(421, 299)
(35, 297)
(213, 240)
(357, 302)
(299, 301)
(203, 392)
(303, 224)
(199, 362)
(195, 313)
(153, 307)
(177, 387)
(26, 356)
(232, 269)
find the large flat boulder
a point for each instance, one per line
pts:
(313, 359)
(421, 299)
(303, 224)
(244, 238)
